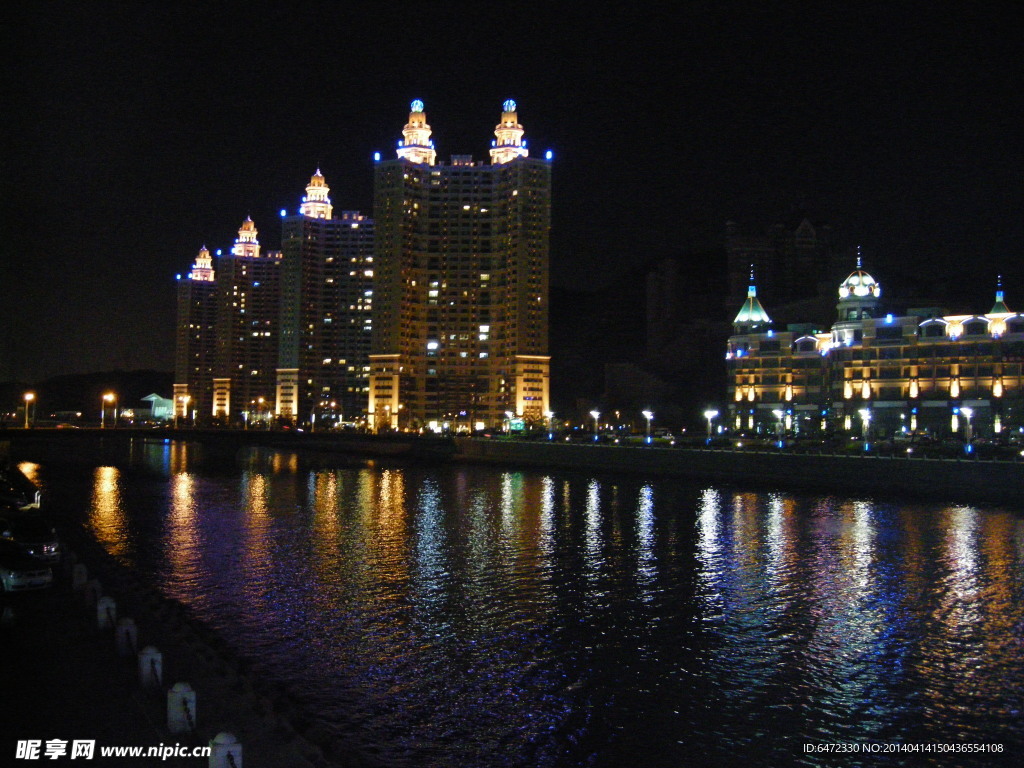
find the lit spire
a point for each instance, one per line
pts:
(509, 143)
(316, 204)
(246, 244)
(417, 146)
(202, 270)
(1000, 306)
(751, 316)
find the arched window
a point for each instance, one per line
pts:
(975, 328)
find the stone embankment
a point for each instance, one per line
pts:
(953, 480)
(62, 677)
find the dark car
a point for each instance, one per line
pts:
(32, 534)
(20, 571)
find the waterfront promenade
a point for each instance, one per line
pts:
(63, 679)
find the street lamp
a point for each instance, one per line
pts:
(596, 415)
(108, 398)
(550, 416)
(968, 429)
(710, 416)
(182, 410)
(648, 415)
(29, 397)
(865, 422)
(778, 425)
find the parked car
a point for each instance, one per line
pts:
(20, 571)
(32, 534)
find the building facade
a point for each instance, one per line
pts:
(460, 334)
(196, 341)
(326, 311)
(875, 374)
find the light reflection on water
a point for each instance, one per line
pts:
(447, 615)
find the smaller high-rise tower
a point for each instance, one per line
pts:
(196, 338)
(326, 303)
(248, 298)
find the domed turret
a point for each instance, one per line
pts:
(247, 244)
(999, 308)
(316, 204)
(751, 318)
(417, 147)
(508, 143)
(859, 296)
(859, 285)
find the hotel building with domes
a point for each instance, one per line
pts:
(874, 373)
(460, 329)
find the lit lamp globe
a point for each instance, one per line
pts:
(710, 416)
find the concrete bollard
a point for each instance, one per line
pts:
(79, 576)
(225, 751)
(92, 592)
(126, 639)
(151, 667)
(106, 612)
(181, 709)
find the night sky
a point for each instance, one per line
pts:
(136, 132)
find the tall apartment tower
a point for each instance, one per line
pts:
(248, 309)
(460, 335)
(326, 302)
(195, 346)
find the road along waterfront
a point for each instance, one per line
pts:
(433, 615)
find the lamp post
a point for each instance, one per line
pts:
(710, 416)
(108, 399)
(968, 429)
(550, 416)
(595, 415)
(778, 426)
(29, 398)
(865, 423)
(648, 415)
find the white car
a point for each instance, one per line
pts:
(20, 572)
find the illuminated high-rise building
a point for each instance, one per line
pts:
(248, 309)
(460, 335)
(326, 303)
(196, 339)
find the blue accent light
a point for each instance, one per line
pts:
(969, 448)
(283, 212)
(218, 251)
(177, 277)
(509, 106)
(888, 319)
(771, 333)
(956, 410)
(376, 157)
(416, 106)
(549, 155)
